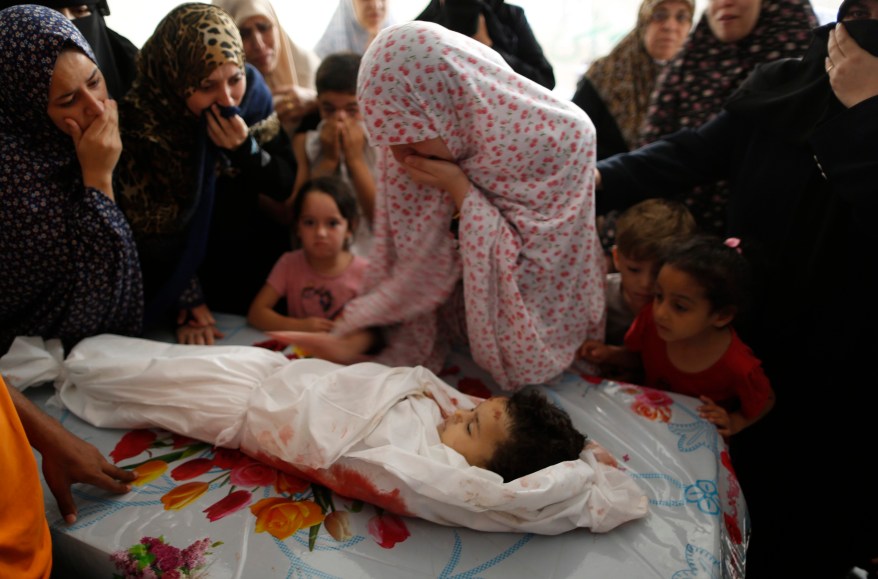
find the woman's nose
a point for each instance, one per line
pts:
(93, 105)
(225, 97)
(257, 38)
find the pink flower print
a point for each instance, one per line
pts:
(253, 474)
(229, 458)
(287, 484)
(387, 530)
(653, 405)
(179, 441)
(132, 444)
(191, 469)
(233, 502)
(193, 555)
(167, 557)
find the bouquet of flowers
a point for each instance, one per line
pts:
(153, 558)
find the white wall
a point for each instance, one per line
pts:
(571, 32)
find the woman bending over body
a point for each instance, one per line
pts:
(484, 219)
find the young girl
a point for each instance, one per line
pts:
(319, 279)
(685, 340)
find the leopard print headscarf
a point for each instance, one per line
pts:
(160, 171)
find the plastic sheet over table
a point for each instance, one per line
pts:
(266, 524)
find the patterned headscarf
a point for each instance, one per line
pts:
(30, 41)
(528, 255)
(161, 139)
(626, 77)
(344, 33)
(696, 84)
(295, 66)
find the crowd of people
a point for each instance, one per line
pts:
(379, 199)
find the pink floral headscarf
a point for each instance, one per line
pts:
(527, 254)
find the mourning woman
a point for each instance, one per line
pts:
(68, 263)
(202, 147)
(797, 144)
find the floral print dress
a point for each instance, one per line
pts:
(523, 280)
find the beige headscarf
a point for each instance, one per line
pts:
(626, 77)
(295, 65)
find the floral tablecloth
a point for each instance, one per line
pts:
(230, 516)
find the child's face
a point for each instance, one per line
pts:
(681, 310)
(638, 284)
(321, 227)
(334, 104)
(477, 433)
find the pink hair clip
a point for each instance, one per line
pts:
(734, 243)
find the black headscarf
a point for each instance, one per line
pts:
(792, 96)
(115, 54)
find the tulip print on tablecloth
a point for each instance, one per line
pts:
(297, 504)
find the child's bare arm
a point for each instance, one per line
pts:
(599, 353)
(263, 317)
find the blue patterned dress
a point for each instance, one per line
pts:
(68, 263)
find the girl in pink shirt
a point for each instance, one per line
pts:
(319, 279)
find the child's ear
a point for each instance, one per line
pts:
(724, 316)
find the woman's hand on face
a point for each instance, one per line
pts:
(438, 173)
(292, 103)
(852, 71)
(98, 147)
(225, 133)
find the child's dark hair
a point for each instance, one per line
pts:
(335, 188)
(540, 435)
(338, 73)
(719, 267)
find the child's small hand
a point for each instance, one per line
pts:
(716, 415)
(330, 139)
(601, 454)
(317, 324)
(353, 137)
(438, 173)
(594, 351)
